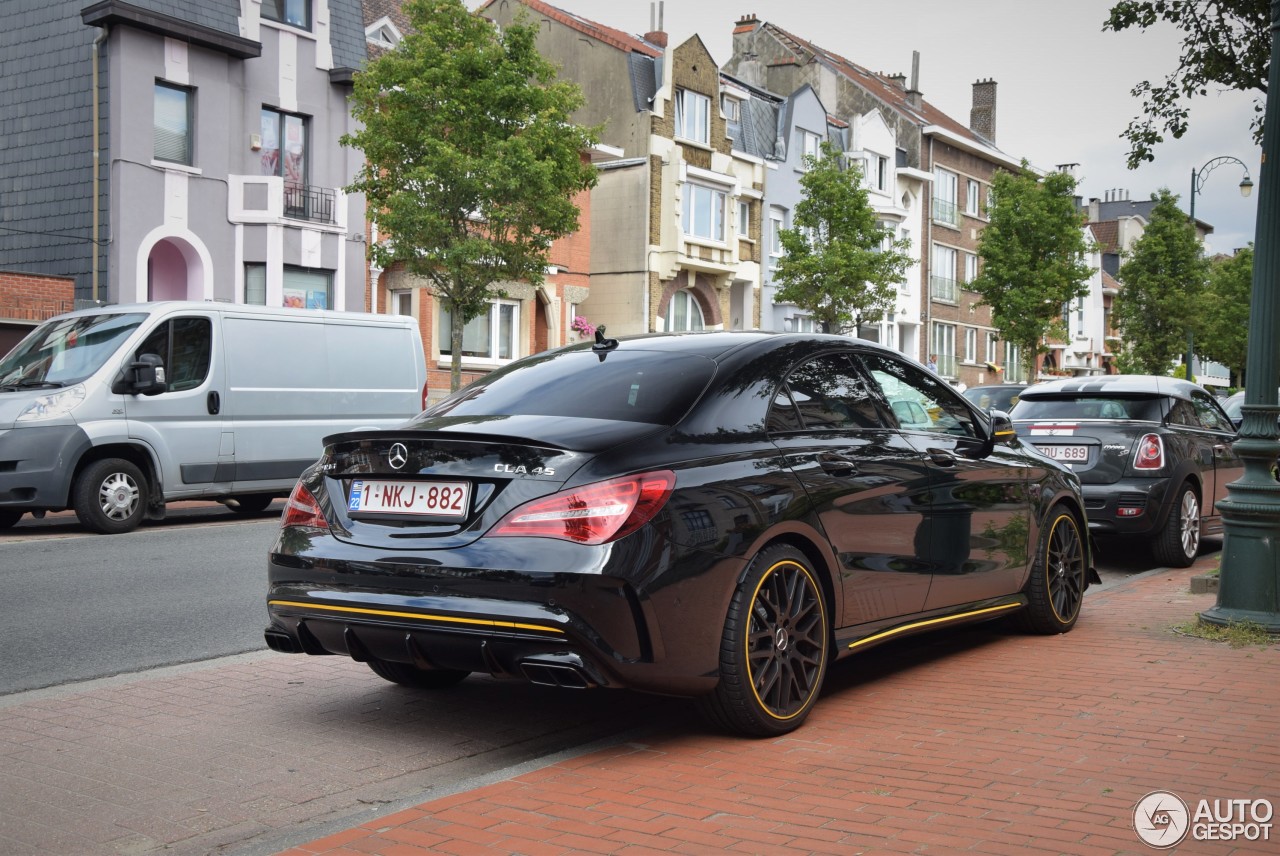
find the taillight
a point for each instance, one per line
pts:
(1150, 454)
(424, 394)
(594, 513)
(302, 510)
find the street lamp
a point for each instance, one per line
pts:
(1249, 577)
(1197, 182)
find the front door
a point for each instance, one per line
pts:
(184, 425)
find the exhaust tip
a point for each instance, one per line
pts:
(282, 642)
(556, 675)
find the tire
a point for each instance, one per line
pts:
(774, 648)
(110, 496)
(1178, 541)
(411, 676)
(1059, 575)
(9, 517)
(251, 503)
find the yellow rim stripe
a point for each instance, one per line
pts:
(386, 613)
(884, 634)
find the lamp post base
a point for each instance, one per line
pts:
(1249, 580)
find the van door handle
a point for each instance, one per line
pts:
(214, 402)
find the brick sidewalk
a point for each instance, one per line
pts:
(973, 741)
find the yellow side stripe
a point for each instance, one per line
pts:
(387, 613)
(894, 631)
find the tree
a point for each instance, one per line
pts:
(471, 157)
(840, 263)
(1162, 285)
(1224, 332)
(1225, 43)
(1032, 252)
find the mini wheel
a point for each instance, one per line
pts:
(774, 648)
(1178, 542)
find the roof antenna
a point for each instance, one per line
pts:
(603, 344)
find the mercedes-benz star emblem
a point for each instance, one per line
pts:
(398, 456)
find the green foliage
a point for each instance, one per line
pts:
(1032, 252)
(471, 156)
(1225, 44)
(848, 273)
(1224, 332)
(1162, 288)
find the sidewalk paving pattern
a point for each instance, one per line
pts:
(977, 740)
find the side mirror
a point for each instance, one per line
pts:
(1002, 428)
(144, 376)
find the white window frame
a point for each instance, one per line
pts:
(777, 222)
(744, 218)
(801, 324)
(942, 274)
(810, 146)
(732, 107)
(402, 302)
(946, 186)
(971, 198)
(993, 348)
(694, 213)
(692, 308)
(493, 317)
(970, 345)
(693, 116)
(942, 344)
(970, 267)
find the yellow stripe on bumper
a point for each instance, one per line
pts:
(418, 616)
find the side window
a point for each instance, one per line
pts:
(185, 345)
(830, 395)
(782, 414)
(1182, 413)
(1210, 415)
(919, 400)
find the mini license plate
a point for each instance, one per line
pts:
(429, 499)
(1070, 454)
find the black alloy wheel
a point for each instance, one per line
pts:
(1055, 590)
(774, 649)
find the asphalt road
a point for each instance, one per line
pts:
(79, 606)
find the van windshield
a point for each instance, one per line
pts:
(65, 351)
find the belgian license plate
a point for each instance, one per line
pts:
(1070, 454)
(430, 499)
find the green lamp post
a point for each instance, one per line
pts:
(1198, 177)
(1249, 585)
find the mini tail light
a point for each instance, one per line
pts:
(1150, 453)
(594, 513)
(302, 510)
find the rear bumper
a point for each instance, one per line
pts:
(1106, 506)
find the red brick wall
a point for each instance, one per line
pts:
(26, 299)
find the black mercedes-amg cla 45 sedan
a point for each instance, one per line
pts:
(718, 515)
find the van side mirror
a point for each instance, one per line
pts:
(143, 376)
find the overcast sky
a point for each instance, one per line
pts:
(1063, 84)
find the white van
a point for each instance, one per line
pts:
(116, 410)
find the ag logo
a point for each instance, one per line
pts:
(1161, 819)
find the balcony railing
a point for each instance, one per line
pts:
(305, 202)
(942, 288)
(946, 211)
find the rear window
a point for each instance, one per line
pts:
(1089, 407)
(627, 386)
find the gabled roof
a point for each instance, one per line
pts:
(1107, 234)
(879, 85)
(616, 38)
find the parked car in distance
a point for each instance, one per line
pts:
(1154, 454)
(995, 396)
(716, 515)
(1234, 407)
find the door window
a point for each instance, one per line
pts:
(185, 345)
(919, 400)
(828, 394)
(1211, 416)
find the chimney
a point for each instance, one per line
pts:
(913, 94)
(899, 80)
(982, 118)
(656, 34)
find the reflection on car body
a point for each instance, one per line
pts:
(716, 515)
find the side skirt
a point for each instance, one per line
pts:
(850, 640)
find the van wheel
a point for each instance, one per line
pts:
(110, 496)
(9, 518)
(774, 649)
(1177, 544)
(251, 503)
(411, 676)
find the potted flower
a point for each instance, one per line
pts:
(582, 326)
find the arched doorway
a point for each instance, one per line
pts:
(174, 267)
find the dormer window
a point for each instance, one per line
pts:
(731, 107)
(693, 116)
(383, 34)
(295, 13)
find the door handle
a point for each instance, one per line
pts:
(214, 402)
(838, 465)
(941, 457)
